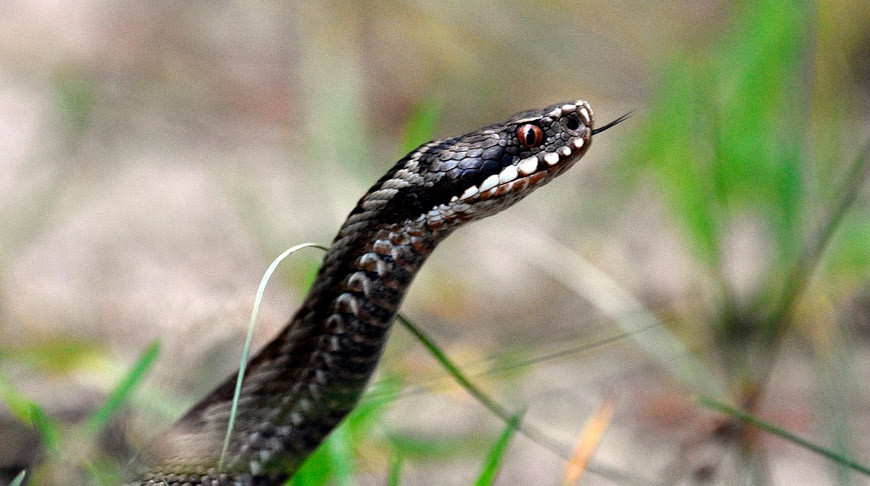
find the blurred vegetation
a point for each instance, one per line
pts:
(74, 452)
(749, 132)
(728, 140)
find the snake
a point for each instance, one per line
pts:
(301, 385)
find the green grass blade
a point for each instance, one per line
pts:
(124, 389)
(528, 431)
(19, 406)
(509, 363)
(454, 370)
(31, 414)
(798, 278)
(672, 149)
(338, 453)
(396, 469)
(496, 454)
(249, 339)
(727, 139)
(749, 419)
(333, 461)
(18, 479)
(47, 429)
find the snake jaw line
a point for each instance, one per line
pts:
(563, 141)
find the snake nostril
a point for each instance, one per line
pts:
(572, 122)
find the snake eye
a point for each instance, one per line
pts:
(530, 135)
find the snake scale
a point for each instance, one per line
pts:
(305, 381)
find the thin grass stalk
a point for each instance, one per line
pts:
(249, 339)
(784, 434)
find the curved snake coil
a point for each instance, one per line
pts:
(304, 382)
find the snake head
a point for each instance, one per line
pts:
(485, 171)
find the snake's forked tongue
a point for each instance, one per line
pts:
(614, 122)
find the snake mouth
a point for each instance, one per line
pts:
(530, 171)
(576, 120)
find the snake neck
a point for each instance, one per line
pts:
(304, 382)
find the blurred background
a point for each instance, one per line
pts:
(155, 158)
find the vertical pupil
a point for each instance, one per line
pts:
(529, 135)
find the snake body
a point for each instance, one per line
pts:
(303, 383)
